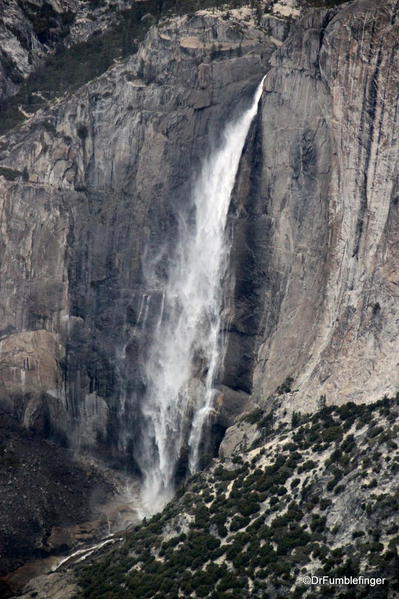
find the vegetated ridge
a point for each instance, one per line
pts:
(317, 497)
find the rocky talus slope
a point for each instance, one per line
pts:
(43, 491)
(317, 496)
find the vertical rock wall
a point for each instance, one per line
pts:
(91, 191)
(316, 242)
(90, 195)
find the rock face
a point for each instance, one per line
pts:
(30, 32)
(316, 203)
(42, 487)
(91, 190)
(90, 196)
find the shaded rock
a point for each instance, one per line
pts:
(51, 586)
(42, 487)
(237, 437)
(230, 404)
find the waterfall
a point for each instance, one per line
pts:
(186, 349)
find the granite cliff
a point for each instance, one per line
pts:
(84, 174)
(89, 186)
(321, 173)
(92, 185)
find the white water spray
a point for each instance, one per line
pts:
(187, 349)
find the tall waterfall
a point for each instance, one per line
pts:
(186, 350)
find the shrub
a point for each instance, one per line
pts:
(307, 466)
(247, 508)
(374, 431)
(296, 419)
(254, 417)
(9, 173)
(331, 484)
(238, 522)
(224, 474)
(285, 387)
(332, 433)
(318, 523)
(324, 503)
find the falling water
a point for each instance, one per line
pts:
(186, 350)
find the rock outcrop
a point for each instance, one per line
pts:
(316, 296)
(28, 31)
(91, 190)
(31, 32)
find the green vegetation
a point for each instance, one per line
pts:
(254, 417)
(325, 3)
(285, 387)
(46, 22)
(69, 68)
(253, 525)
(9, 173)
